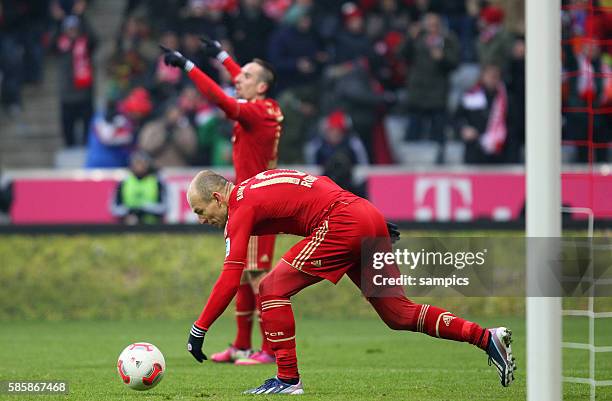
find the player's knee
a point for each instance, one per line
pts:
(268, 287)
(398, 313)
(399, 323)
(264, 287)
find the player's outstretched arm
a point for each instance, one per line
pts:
(222, 294)
(213, 48)
(203, 82)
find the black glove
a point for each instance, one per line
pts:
(394, 232)
(175, 59)
(212, 48)
(195, 343)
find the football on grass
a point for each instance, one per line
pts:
(141, 366)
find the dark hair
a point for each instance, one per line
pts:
(269, 74)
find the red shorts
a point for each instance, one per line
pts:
(260, 252)
(335, 246)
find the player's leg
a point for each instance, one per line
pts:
(397, 311)
(245, 309)
(266, 353)
(261, 254)
(265, 253)
(275, 290)
(400, 313)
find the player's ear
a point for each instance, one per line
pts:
(262, 88)
(217, 197)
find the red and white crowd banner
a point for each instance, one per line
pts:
(402, 196)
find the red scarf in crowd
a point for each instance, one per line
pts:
(492, 141)
(81, 62)
(494, 137)
(586, 80)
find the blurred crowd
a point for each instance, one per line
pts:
(358, 82)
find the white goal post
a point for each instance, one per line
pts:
(543, 205)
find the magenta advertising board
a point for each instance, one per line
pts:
(437, 196)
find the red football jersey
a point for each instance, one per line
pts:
(272, 202)
(258, 124)
(255, 137)
(277, 201)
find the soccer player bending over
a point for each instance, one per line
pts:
(333, 222)
(255, 143)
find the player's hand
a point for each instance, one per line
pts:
(394, 232)
(211, 48)
(175, 59)
(195, 343)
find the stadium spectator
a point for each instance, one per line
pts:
(494, 42)
(256, 133)
(213, 132)
(482, 118)
(191, 47)
(386, 16)
(298, 55)
(432, 53)
(579, 20)
(249, 30)
(295, 51)
(60, 9)
(170, 140)
(204, 18)
(300, 108)
(112, 136)
(334, 223)
(127, 66)
(351, 87)
(166, 80)
(6, 199)
(351, 42)
(37, 23)
(75, 46)
(516, 103)
(141, 197)
(462, 18)
(13, 22)
(300, 100)
(162, 14)
(276, 9)
(136, 33)
(589, 85)
(337, 148)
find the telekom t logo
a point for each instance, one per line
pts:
(443, 208)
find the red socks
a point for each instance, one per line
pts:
(280, 332)
(245, 306)
(265, 344)
(438, 322)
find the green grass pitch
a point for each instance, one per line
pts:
(339, 360)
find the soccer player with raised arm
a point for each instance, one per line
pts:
(334, 222)
(255, 139)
